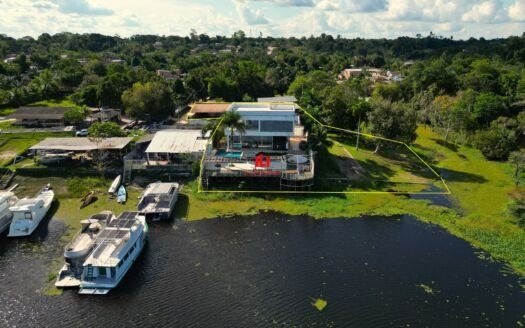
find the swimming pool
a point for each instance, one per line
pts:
(229, 154)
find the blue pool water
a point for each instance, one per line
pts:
(229, 154)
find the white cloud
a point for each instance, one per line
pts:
(517, 11)
(250, 16)
(350, 18)
(291, 3)
(353, 5)
(490, 11)
(82, 7)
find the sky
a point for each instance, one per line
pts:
(460, 19)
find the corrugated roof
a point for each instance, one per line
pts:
(210, 107)
(177, 142)
(80, 144)
(40, 113)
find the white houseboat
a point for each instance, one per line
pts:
(116, 247)
(29, 212)
(7, 199)
(158, 200)
(76, 252)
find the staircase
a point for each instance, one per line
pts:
(127, 174)
(89, 273)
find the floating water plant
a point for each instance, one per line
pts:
(320, 304)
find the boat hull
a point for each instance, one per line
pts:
(25, 227)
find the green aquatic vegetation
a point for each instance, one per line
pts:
(320, 304)
(427, 289)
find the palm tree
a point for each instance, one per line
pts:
(232, 120)
(318, 138)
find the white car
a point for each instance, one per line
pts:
(82, 133)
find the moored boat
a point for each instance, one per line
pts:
(158, 200)
(7, 199)
(116, 248)
(29, 212)
(76, 252)
(87, 199)
(115, 185)
(122, 194)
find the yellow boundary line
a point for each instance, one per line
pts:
(447, 192)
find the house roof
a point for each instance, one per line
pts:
(81, 144)
(177, 142)
(277, 99)
(209, 107)
(55, 113)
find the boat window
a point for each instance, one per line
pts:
(102, 271)
(113, 272)
(119, 263)
(172, 190)
(28, 215)
(126, 257)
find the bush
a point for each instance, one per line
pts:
(496, 143)
(517, 207)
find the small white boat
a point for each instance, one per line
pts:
(115, 185)
(158, 200)
(7, 199)
(76, 252)
(122, 194)
(29, 212)
(116, 249)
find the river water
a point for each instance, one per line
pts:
(266, 271)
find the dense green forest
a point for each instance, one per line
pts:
(472, 91)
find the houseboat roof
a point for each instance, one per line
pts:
(81, 144)
(160, 188)
(158, 197)
(177, 142)
(112, 239)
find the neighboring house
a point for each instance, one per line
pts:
(39, 116)
(169, 75)
(374, 74)
(76, 145)
(10, 59)
(200, 113)
(349, 73)
(103, 115)
(167, 151)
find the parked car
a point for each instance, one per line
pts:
(82, 133)
(70, 128)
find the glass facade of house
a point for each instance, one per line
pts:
(276, 126)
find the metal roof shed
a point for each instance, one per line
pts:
(81, 144)
(177, 142)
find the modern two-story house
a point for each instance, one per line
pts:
(272, 147)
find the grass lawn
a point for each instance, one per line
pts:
(393, 168)
(13, 144)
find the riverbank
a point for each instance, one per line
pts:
(479, 192)
(478, 215)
